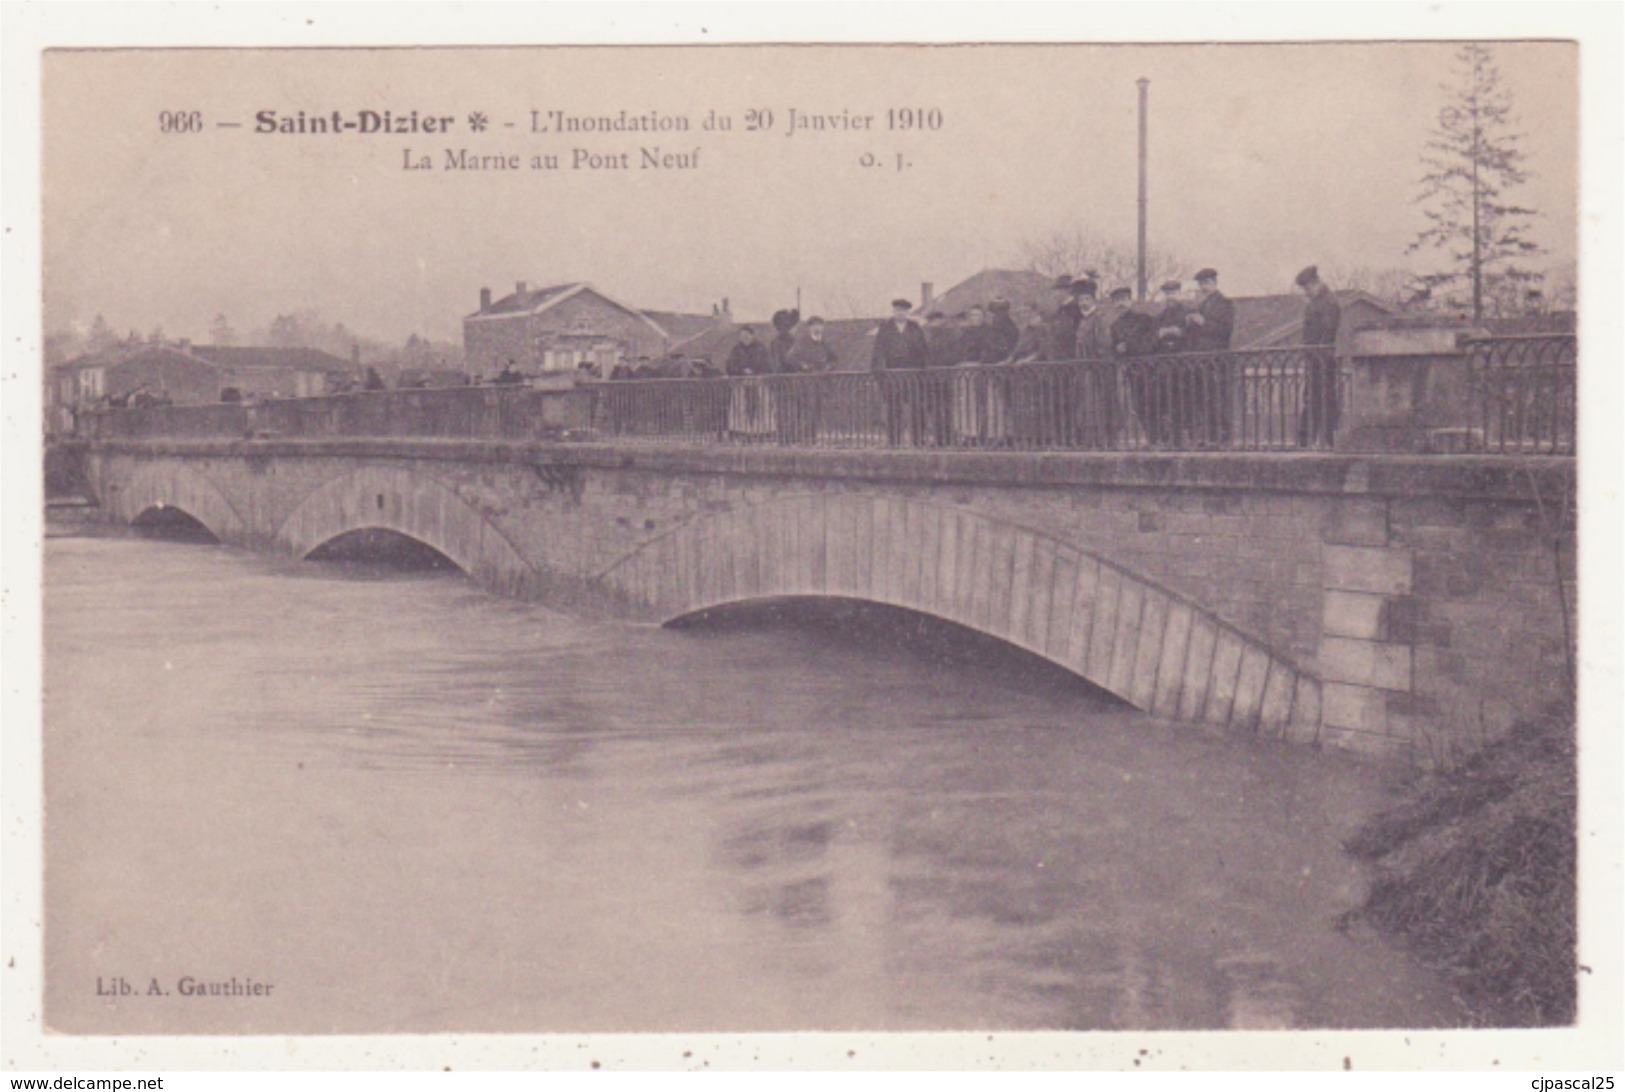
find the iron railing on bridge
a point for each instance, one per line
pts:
(1524, 393)
(1521, 400)
(1262, 400)
(496, 413)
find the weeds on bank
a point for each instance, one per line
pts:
(1477, 875)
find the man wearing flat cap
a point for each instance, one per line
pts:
(1171, 319)
(1064, 322)
(1209, 325)
(1093, 422)
(900, 348)
(1162, 394)
(1317, 425)
(1208, 328)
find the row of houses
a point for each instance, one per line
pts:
(187, 374)
(559, 327)
(555, 329)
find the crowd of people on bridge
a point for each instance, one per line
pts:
(1171, 357)
(1161, 369)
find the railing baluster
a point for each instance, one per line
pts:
(1256, 400)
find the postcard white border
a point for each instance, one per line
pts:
(29, 28)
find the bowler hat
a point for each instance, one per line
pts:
(901, 304)
(1207, 275)
(1122, 293)
(1307, 276)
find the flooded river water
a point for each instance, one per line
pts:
(401, 804)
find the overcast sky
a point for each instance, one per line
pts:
(1263, 159)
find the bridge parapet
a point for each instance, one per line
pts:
(1412, 391)
(1423, 601)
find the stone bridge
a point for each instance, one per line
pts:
(1393, 603)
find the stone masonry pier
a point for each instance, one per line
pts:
(1392, 603)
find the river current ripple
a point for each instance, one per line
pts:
(410, 806)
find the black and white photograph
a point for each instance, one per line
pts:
(702, 538)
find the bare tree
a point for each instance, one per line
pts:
(1473, 159)
(843, 300)
(1391, 284)
(63, 345)
(1562, 288)
(1076, 251)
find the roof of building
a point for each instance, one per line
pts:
(1266, 321)
(848, 338)
(529, 300)
(1016, 285)
(680, 325)
(224, 357)
(237, 357)
(143, 354)
(536, 301)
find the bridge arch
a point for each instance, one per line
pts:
(1153, 648)
(411, 503)
(170, 483)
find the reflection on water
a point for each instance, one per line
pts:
(416, 807)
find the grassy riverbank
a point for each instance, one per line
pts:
(1477, 874)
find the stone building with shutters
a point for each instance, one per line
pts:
(557, 328)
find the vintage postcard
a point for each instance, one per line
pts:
(1063, 537)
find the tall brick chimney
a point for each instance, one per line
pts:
(485, 300)
(519, 287)
(926, 295)
(355, 348)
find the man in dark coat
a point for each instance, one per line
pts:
(1208, 328)
(1209, 325)
(1094, 415)
(748, 356)
(979, 342)
(1175, 380)
(1002, 330)
(792, 414)
(1094, 328)
(778, 351)
(811, 353)
(801, 401)
(1133, 343)
(1171, 319)
(942, 348)
(750, 414)
(900, 349)
(1317, 426)
(899, 343)
(1064, 322)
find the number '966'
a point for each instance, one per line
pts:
(180, 121)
